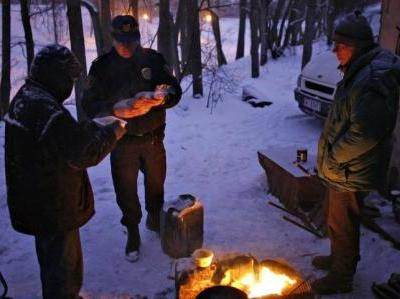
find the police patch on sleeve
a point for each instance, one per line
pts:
(146, 73)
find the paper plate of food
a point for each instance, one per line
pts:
(138, 105)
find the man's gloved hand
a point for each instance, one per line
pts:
(119, 129)
(117, 125)
(162, 92)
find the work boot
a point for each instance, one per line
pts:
(132, 244)
(322, 262)
(153, 222)
(333, 283)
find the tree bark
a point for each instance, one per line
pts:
(164, 31)
(193, 26)
(264, 4)
(26, 22)
(94, 16)
(5, 85)
(217, 36)
(134, 8)
(284, 18)
(275, 20)
(255, 41)
(185, 38)
(242, 29)
(309, 31)
(54, 19)
(330, 22)
(78, 48)
(105, 19)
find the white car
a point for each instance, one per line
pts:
(317, 83)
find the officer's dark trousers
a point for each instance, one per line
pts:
(132, 154)
(61, 267)
(344, 218)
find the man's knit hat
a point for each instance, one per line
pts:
(354, 30)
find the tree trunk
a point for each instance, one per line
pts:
(78, 48)
(26, 22)
(134, 8)
(242, 29)
(275, 21)
(193, 26)
(174, 51)
(54, 19)
(217, 35)
(164, 31)
(175, 36)
(309, 31)
(5, 85)
(283, 22)
(330, 22)
(264, 4)
(105, 19)
(254, 27)
(185, 39)
(94, 16)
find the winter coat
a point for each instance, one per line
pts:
(355, 145)
(113, 78)
(46, 155)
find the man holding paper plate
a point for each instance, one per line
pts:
(135, 84)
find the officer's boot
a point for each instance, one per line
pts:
(153, 222)
(132, 244)
(340, 277)
(333, 283)
(322, 262)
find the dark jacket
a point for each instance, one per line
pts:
(113, 78)
(46, 154)
(355, 145)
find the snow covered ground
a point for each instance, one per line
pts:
(212, 156)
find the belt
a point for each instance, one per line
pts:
(157, 132)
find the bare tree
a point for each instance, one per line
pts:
(105, 19)
(217, 36)
(193, 29)
(165, 30)
(331, 17)
(134, 8)
(264, 8)
(98, 34)
(5, 85)
(78, 47)
(309, 31)
(242, 29)
(255, 41)
(26, 22)
(275, 21)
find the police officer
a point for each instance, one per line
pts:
(119, 74)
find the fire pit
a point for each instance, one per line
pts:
(258, 280)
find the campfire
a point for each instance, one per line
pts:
(267, 283)
(266, 279)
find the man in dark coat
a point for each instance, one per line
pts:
(119, 74)
(46, 155)
(355, 145)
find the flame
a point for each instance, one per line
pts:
(268, 283)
